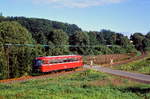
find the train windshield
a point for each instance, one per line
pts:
(38, 62)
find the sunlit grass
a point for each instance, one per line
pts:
(141, 66)
(85, 85)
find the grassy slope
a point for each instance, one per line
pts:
(141, 66)
(86, 85)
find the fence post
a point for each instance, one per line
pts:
(111, 62)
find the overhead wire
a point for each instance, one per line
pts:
(44, 45)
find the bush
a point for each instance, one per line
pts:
(117, 49)
(103, 49)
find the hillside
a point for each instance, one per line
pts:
(43, 31)
(22, 39)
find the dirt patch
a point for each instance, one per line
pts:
(111, 81)
(117, 81)
(107, 59)
(128, 60)
(113, 59)
(2, 97)
(99, 82)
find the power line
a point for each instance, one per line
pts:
(43, 45)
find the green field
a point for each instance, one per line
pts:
(84, 85)
(141, 66)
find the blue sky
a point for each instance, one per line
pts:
(125, 16)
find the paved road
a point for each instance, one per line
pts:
(133, 76)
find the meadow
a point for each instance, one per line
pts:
(140, 66)
(82, 85)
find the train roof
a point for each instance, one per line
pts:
(60, 56)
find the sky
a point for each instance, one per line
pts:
(122, 16)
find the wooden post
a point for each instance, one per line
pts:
(111, 62)
(91, 63)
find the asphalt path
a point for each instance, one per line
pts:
(132, 76)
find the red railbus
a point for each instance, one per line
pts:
(52, 63)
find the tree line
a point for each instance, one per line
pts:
(60, 38)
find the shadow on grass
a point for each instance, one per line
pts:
(137, 90)
(142, 92)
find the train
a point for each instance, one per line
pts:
(55, 63)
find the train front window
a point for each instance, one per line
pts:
(38, 62)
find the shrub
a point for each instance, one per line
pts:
(117, 49)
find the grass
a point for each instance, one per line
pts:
(141, 66)
(86, 85)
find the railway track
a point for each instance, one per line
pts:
(102, 69)
(45, 76)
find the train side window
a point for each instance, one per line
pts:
(46, 62)
(74, 59)
(56, 61)
(65, 60)
(53, 61)
(70, 60)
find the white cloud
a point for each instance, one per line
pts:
(78, 3)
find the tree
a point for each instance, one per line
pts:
(92, 42)
(81, 42)
(92, 38)
(137, 39)
(16, 58)
(59, 41)
(148, 35)
(40, 28)
(124, 42)
(100, 38)
(40, 38)
(146, 44)
(103, 50)
(109, 36)
(4, 69)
